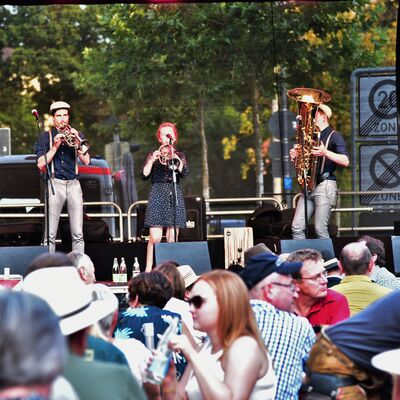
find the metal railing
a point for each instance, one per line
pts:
(118, 214)
(255, 201)
(229, 200)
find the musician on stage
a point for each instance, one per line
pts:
(320, 201)
(62, 160)
(165, 207)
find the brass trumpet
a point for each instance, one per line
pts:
(166, 153)
(73, 140)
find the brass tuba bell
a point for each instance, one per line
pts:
(308, 134)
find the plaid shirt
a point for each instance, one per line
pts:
(289, 339)
(383, 277)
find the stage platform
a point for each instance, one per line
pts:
(103, 254)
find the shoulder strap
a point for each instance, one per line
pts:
(50, 146)
(326, 146)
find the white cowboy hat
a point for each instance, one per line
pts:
(189, 276)
(68, 296)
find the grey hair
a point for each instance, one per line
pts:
(79, 259)
(32, 347)
(102, 292)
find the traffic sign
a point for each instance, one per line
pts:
(379, 171)
(377, 105)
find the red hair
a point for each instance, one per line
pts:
(236, 317)
(165, 124)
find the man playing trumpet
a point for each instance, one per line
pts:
(62, 161)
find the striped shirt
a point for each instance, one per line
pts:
(289, 339)
(383, 277)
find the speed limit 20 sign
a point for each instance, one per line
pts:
(377, 105)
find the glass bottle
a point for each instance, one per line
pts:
(159, 366)
(123, 275)
(115, 271)
(135, 268)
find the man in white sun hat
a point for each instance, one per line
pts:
(331, 153)
(55, 151)
(77, 309)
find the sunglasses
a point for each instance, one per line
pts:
(197, 301)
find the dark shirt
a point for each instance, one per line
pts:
(65, 158)
(370, 332)
(337, 145)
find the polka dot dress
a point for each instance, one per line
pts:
(160, 211)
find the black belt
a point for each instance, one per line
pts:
(323, 177)
(327, 384)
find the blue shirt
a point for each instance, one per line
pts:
(289, 339)
(370, 332)
(130, 324)
(64, 160)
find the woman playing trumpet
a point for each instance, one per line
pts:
(164, 208)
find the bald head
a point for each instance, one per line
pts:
(355, 259)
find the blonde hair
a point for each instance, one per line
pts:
(236, 317)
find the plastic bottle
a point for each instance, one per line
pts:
(123, 275)
(159, 366)
(115, 271)
(135, 268)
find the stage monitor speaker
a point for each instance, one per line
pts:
(193, 253)
(196, 224)
(289, 246)
(396, 253)
(19, 258)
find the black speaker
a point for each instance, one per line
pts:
(196, 224)
(193, 253)
(19, 258)
(288, 246)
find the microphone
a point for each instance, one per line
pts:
(35, 114)
(169, 136)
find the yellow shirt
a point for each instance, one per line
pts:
(360, 291)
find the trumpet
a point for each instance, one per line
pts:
(167, 152)
(73, 140)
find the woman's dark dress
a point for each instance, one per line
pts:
(159, 211)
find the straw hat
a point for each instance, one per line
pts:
(68, 296)
(189, 276)
(326, 110)
(254, 250)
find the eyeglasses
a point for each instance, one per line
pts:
(290, 286)
(197, 301)
(321, 275)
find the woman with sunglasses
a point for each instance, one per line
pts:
(233, 363)
(165, 207)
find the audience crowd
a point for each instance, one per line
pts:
(304, 325)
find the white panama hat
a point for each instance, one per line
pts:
(68, 296)
(388, 361)
(189, 276)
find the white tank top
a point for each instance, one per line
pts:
(264, 388)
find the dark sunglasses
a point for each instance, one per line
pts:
(196, 301)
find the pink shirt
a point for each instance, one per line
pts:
(328, 311)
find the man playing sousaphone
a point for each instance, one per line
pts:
(329, 151)
(60, 149)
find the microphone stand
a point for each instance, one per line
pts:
(47, 181)
(174, 193)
